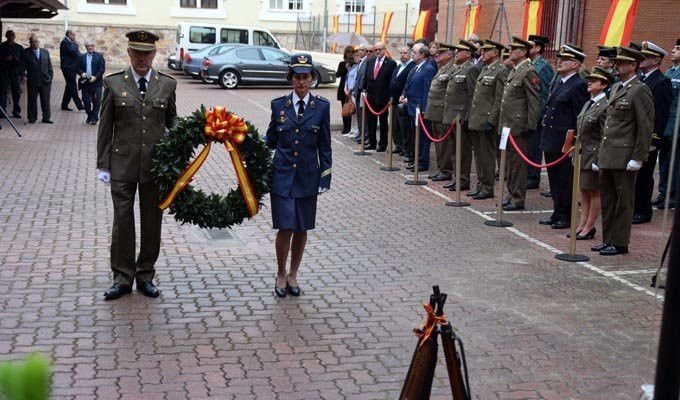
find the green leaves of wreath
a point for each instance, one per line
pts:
(173, 155)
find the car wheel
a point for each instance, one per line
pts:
(229, 79)
(316, 80)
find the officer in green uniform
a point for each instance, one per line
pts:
(435, 112)
(138, 106)
(520, 108)
(624, 147)
(483, 122)
(459, 93)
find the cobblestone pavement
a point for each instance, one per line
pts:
(534, 327)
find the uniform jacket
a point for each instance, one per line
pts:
(98, 66)
(360, 83)
(459, 92)
(486, 102)
(398, 81)
(437, 94)
(38, 72)
(521, 101)
(68, 54)
(378, 90)
(14, 50)
(628, 127)
(546, 74)
(302, 158)
(565, 102)
(662, 92)
(131, 125)
(418, 86)
(674, 75)
(589, 128)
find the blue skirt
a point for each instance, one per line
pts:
(293, 214)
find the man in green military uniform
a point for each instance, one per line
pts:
(484, 110)
(459, 93)
(137, 106)
(435, 112)
(624, 147)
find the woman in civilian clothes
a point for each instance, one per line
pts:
(590, 124)
(299, 132)
(341, 72)
(349, 85)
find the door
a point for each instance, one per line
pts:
(277, 63)
(251, 65)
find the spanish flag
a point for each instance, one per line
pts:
(336, 28)
(618, 26)
(423, 23)
(471, 20)
(387, 20)
(359, 24)
(533, 13)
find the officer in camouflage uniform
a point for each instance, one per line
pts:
(138, 105)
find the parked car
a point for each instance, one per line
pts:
(191, 64)
(257, 65)
(172, 62)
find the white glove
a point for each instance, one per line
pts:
(633, 165)
(594, 167)
(323, 190)
(104, 176)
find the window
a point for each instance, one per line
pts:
(198, 3)
(263, 39)
(355, 6)
(187, 3)
(248, 54)
(290, 5)
(202, 34)
(234, 36)
(273, 55)
(105, 7)
(208, 3)
(116, 2)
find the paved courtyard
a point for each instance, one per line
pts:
(534, 327)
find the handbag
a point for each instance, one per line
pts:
(348, 108)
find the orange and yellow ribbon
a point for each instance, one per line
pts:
(431, 322)
(224, 127)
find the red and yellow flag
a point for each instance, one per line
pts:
(471, 20)
(359, 24)
(336, 28)
(533, 13)
(618, 26)
(423, 23)
(387, 20)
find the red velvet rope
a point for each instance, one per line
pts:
(371, 108)
(441, 139)
(533, 164)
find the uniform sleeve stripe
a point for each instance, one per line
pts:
(326, 172)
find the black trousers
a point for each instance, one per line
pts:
(10, 81)
(407, 134)
(372, 124)
(534, 154)
(560, 178)
(346, 121)
(71, 90)
(44, 93)
(92, 97)
(665, 166)
(644, 186)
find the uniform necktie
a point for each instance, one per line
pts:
(590, 103)
(142, 85)
(376, 69)
(301, 108)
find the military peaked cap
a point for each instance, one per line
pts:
(629, 54)
(601, 74)
(650, 49)
(571, 51)
(142, 40)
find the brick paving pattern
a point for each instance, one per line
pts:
(534, 327)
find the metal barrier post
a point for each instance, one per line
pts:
(458, 202)
(362, 143)
(501, 185)
(572, 256)
(390, 128)
(415, 181)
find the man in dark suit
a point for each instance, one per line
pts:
(662, 91)
(90, 69)
(378, 75)
(68, 55)
(415, 95)
(568, 95)
(11, 59)
(399, 113)
(38, 77)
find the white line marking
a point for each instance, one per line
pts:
(637, 272)
(607, 274)
(520, 212)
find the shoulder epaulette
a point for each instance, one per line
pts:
(322, 98)
(166, 75)
(115, 73)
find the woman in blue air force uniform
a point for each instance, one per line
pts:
(299, 132)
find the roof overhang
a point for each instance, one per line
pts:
(30, 8)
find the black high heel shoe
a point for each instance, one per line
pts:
(587, 236)
(293, 290)
(280, 291)
(577, 233)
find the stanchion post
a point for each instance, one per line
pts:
(362, 143)
(458, 202)
(498, 222)
(415, 181)
(390, 134)
(572, 256)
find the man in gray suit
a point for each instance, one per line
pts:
(360, 85)
(38, 77)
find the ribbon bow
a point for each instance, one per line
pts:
(431, 321)
(224, 127)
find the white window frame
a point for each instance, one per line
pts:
(368, 14)
(106, 8)
(285, 5)
(178, 11)
(273, 14)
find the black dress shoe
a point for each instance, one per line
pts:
(66, 109)
(561, 224)
(369, 147)
(640, 219)
(441, 178)
(506, 202)
(614, 250)
(599, 247)
(293, 290)
(117, 291)
(280, 291)
(513, 207)
(547, 193)
(449, 185)
(462, 187)
(31, 121)
(589, 235)
(16, 115)
(549, 221)
(381, 149)
(659, 200)
(148, 289)
(472, 193)
(433, 175)
(47, 121)
(662, 206)
(482, 196)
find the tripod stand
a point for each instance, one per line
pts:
(500, 19)
(4, 114)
